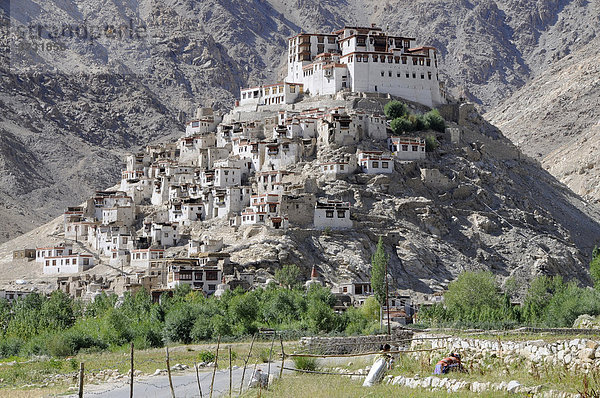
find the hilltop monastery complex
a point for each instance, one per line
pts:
(242, 168)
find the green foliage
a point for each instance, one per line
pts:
(595, 267)
(395, 109)
(288, 276)
(435, 121)
(305, 363)
(206, 356)
(401, 125)
(370, 309)
(59, 327)
(474, 296)
(431, 143)
(379, 262)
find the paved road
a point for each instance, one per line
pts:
(185, 384)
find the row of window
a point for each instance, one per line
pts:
(340, 213)
(416, 61)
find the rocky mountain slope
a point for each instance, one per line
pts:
(66, 114)
(556, 119)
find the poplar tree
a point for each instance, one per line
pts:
(379, 262)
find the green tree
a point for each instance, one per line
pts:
(379, 261)
(595, 267)
(288, 276)
(435, 121)
(537, 298)
(370, 309)
(401, 125)
(473, 294)
(395, 109)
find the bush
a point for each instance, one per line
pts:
(395, 109)
(72, 341)
(435, 121)
(431, 143)
(10, 347)
(401, 125)
(305, 363)
(206, 356)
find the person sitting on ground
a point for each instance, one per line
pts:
(450, 363)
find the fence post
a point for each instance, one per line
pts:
(131, 379)
(246, 363)
(198, 379)
(81, 374)
(212, 382)
(230, 374)
(270, 357)
(282, 357)
(169, 373)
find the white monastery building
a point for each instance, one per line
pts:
(334, 214)
(363, 59)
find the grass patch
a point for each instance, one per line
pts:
(322, 386)
(305, 363)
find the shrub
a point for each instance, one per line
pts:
(395, 109)
(435, 121)
(431, 143)
(10, 347)
(206, 356)
(401, 125)
(305, 363)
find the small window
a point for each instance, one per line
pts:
(385, 165)
(341, 213)
(389, 73)
(329, 213)
(382, 73)
(405, 148)
(376, 164)
(415, 148)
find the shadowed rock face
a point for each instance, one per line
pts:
(67, 117)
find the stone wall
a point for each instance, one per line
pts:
(399, 340)
(577, 355)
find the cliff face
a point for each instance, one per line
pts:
(67, 114)
(554, 119)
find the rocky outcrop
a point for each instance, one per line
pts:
(76, 110)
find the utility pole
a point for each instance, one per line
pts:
(387, 300)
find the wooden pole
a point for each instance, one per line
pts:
(131, 377)
(169, 373)
(198, 379)
(387, 299)
(246, 363)
(212, 382)
(230, 373)
(81, 374)
(282, 357)
(270, 356)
